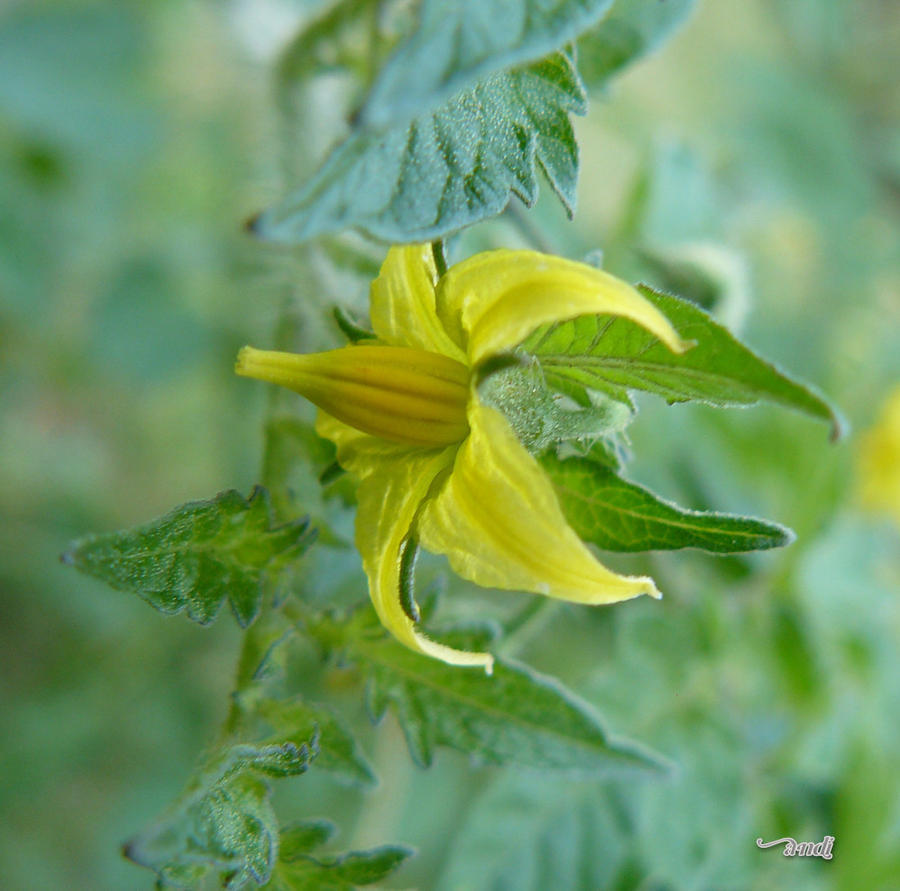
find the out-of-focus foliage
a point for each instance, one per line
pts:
(133, 139)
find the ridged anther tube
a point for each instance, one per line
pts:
(403, 395)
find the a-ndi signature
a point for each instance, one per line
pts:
(793, 848)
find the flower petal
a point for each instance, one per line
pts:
(360, 453)
(494, 300)
(394, 482)
(402, 302)
(500, 524)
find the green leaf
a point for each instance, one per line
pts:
(460, 41)
(298, 871)
(197, 555)
(327, 41)
(616, 515)
(276, 759)
(533, 836)
(224, 821)
(341, 873)
(632, 29)
(298, 839)
(338, 751)
(459, 116)
(447, 168)
(613, 355)
(514, 715)
(263, 652)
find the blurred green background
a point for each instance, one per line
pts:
(764, 140)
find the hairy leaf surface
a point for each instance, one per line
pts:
(614, 355)
(617, 515)
(460, 41)
(632, 29)
(198, 555)
(338, 751)
(224, 822)
(515, 715)
(447, 168)
(299, 870)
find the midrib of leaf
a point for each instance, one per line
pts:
(557, 362)
(452, 168)
(576, 494)
(478, 705)
(535, 45)
(463, 188)
(193, 547)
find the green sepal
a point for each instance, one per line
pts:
(614, 355)
(540, 417)
(708, 274)
(617, 515)
(350, 328)
(409, 552)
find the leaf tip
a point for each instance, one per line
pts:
(68, 558)
(252, 225)
(788, 537)
(258, 492)
(130, 851)
(659, 764)
(840, 426)
(243, 615)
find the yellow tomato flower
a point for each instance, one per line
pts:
(878, 461)
(435, 465)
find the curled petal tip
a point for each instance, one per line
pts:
(460, 658)
(647, 586)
